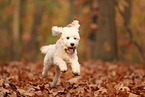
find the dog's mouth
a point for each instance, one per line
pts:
(70, 50)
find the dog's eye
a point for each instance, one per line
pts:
(67, 37)
(75, 38)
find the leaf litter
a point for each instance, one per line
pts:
(98, 78)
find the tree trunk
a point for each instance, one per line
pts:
(127, 12)
(9, 49)
(33, 45)
(106, 47)
(16, 31)
(72, 13)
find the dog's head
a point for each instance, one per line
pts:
(69, 36)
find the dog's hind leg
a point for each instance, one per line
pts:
(46, 68)
(47, 65)
(56, 78)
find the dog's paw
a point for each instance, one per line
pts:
(76, 74)
(76, 71)
(63, 69)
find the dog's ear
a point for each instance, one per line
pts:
(75, 24)
(56, 31)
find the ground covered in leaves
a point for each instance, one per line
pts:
(98, 78)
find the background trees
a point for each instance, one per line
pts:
(106, 36)
(26, 25)
(16, 34)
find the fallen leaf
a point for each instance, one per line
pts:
(13, 94)
(21, 90)
(133, 95)
(1, 82)
(29, 94)
(103, 90)
(77, 90)
(121, 86)
(110, 88)
(25, 92)
(74, 80)
(45, 93)
(98, 78)
(13, 87)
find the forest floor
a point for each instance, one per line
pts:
(97, 79)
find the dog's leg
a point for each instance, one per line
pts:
(60, 63)
(56, 78)
(47, 65)
(75, 68)
(46, 68)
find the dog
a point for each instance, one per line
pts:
(62, 53)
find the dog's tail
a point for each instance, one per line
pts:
(47, 48)
(44, 49)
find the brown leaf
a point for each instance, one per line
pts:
(101, 91)
(13, 87)
(3, 91)
(45, 93)
(108, 81)
(13, 94)
(74, 80)
(122, 93)
(21, 90)
(42, 87)
(133, 95)
(29, 94)
(120, 86)
(110, 89)
(1, 82)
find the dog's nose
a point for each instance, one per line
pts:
(72, 44)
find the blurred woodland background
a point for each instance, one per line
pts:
(110, 29)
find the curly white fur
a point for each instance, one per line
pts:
(63, 52)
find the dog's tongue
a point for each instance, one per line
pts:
(71, 50)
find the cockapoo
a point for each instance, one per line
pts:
(63, 52)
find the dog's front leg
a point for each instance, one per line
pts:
(60, 63)
(75, 68)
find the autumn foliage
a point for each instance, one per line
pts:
(25, 25)
(98, 78)
(35, 18)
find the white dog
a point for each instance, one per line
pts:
(63, 52)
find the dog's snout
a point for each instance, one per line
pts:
(72, 44)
